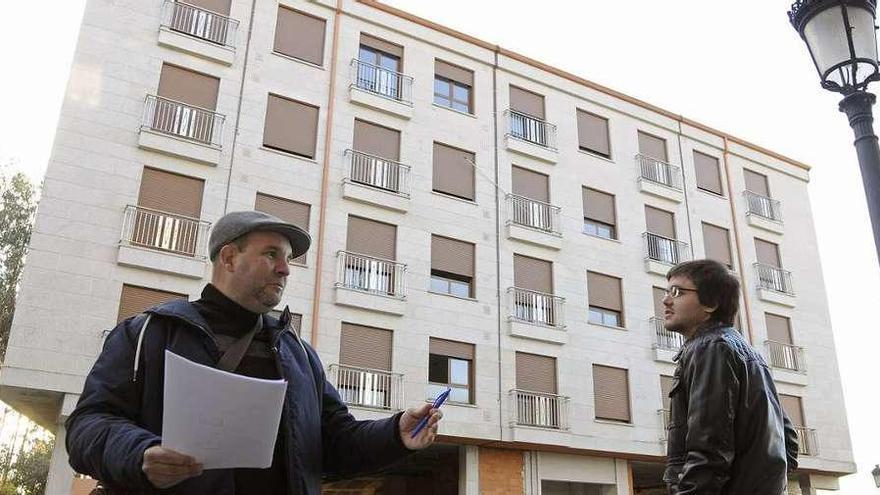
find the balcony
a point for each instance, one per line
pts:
(539, 410)
(163, 242)
(774, 284)
(763, 212)
(661, 253)
(666, 342)
(377, 181)
(370, 283)
(198, 31)
(534, 222)
(786, 356)
(381, 89)
(536, 315)
(664, 419)
(362, 387)
(531, 136)
(808, 442)
(659, 178)
(182, 130)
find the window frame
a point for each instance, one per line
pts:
(450, 85)
(604, 312)
(449, 277)
(469, 387)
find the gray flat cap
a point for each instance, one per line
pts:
(235, 224)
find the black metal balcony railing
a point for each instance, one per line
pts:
(378, 172)
(200, 23)
(182, 120)
(381, 81)
(536, 307)
(786, 356)
(808, 442)
(665, 250)
(531, 129)
(659, 172)
(774, 278)
(163, 231)
(368, 274)
(539, 409)
(663, 338)
(763, 206)
(534, 214)
(367, 387)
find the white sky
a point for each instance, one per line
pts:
(736, 66)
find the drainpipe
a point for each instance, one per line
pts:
(738, 241)
(684, 189)
(497, 239)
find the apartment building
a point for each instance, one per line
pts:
(481, 221)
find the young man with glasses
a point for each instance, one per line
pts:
(727, 432)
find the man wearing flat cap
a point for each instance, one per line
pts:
(114, 433)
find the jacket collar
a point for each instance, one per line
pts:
(181, 309)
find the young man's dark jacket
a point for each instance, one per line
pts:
(117, 418)
(727, 432)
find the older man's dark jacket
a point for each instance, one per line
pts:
(727, 432)
(117, 418)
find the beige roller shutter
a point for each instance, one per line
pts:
(365, 347)
(767, 253)
(190, 87)
(593, 133)
(382, 45)
(778, 328)
(300, 35)
(611, 392)
(665, 388)
(453, 173)
(372, 238)
(526, 102)
(717, 243)
(452, 256)
(532, 274)
(171, 193)
(532, 185)
(658, 294)
(219, 6)
(450, 348)
(599, 206)
(135, 300)
(652, 147)
(454, 72)
(535, 373)
(376, 140)
(604, 291)
(288, 210)
(792, 406)
(708, 172)
(291, 126)
(756, 183)
(660, 222)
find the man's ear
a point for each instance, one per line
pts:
(227, 255)
(710, 309)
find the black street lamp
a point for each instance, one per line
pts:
(841, 38)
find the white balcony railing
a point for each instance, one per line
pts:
(659, 172)
(182, 120)
(381, 81)
(665, 250)
(531, 129)
(536, 307)
(786, 356)
(763, 206)
(539, 409)
(663, 338)
(808, 442)
(373, 275)
(377, 172)
(534, 214)
(774, 278)
(201, 23)
(154, 229)
(368, 388)
(664, 417)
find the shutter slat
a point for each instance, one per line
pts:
(458, 350)
(453, 173)
(452, 256)
(717, 243)
(382, 45)
(171, 193)
(527, 102)
(660, 222)
(778, 328)
(135, 300)
(365, 347)
(372, 238)
(611, 392)
(454, 72)
(300, 35)
(219, 6)
(291, 126)
(792, 406)
(535, 373)
(376, 140)
(756, 183)
(604, 291)
(708, 172)
(652, 147)
(599, 206)
(193, 88)
(767, 252)
(532, 274)
(530, 184)
(658, 294)
(593, 133)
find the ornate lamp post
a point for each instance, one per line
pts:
(841, 38)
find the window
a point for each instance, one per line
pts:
(376, 140)
(134, 300)
(527, 102)
(605, 300)
(453, 172)
(717, 244)
(369, 263)
(288, 210)
(364, 363)
(166, 219)
(530, 202)
(380, 67)
(185, 105)
(187, 86)
(453, 86)
(300, 35)
(756, 183)
(599, 214)
(652, 147)
(452, 266)
(291, 126)
(708, 173)
(593, 134)
(611, 393)
(451, 364)
(767, 253)
(607, 317)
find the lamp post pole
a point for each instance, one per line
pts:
(857, 107)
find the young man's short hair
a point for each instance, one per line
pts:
(715, 285)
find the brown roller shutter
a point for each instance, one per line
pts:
(717, 243)
(290, 211)
(778, 328)
(219, 6)
(792, 406)
(454, 72)
(535, 373)
(599, 206)
(593, 133)
(767, 253)
(756, 183)
(291, 126)
(452, 256)
(458, 350)
(532, 185)
(658, 294)
(376, 140)
(604, 291)
(190, 87)
(526, 102)
(365, 347)
(532, 274)
(665, 388)
(300, 35)
(611, 393)
(453, 173)
(660, 222)
(371, 238)
(135, 300)
(652, 147)
(171, 193)
(708, 172)
(382, 45)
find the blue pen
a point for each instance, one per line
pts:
(437, 403)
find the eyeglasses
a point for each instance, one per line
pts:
(676, 291)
